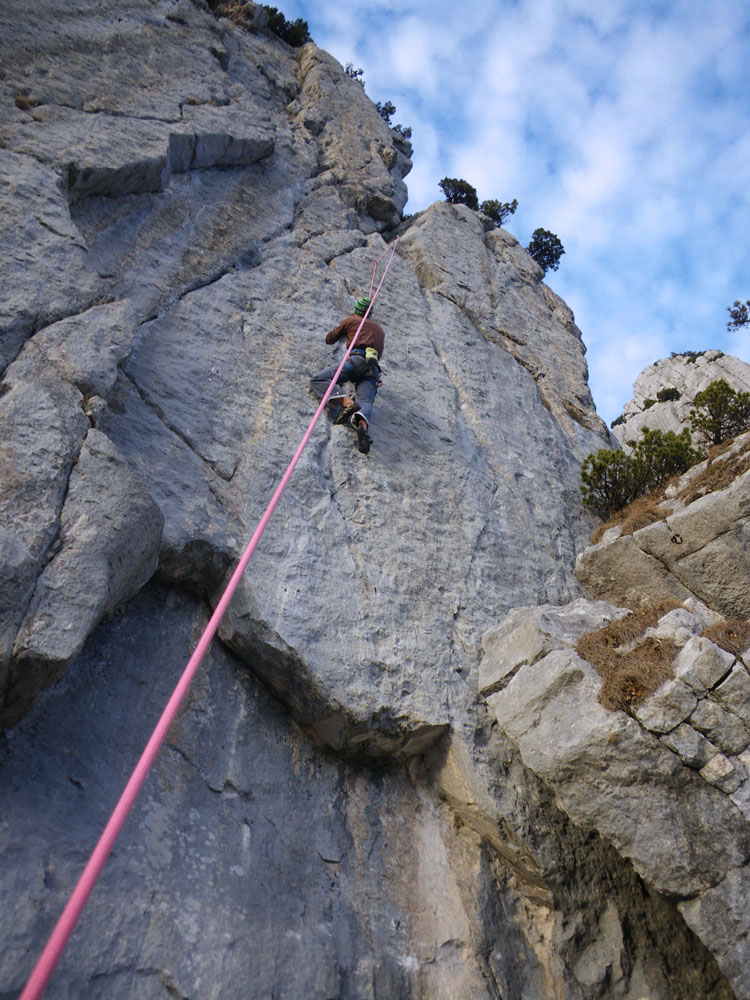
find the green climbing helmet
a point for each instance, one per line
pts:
(360, 306)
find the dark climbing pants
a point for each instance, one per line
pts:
(358, 370)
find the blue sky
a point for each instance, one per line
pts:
(621, 126)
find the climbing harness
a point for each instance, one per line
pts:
(70, 915)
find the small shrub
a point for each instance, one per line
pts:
(459, 192)
(739, 314)
(606, 480)
(717, 474)
(498, 211)
(546, 249)
(665, 395)
(691, 356)
(720, 412)
(386, 111)
(355, 74)
(611, 479)
(648, 403)
(618, 420)
(294, 33)
(660, 455)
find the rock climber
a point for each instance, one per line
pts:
(361, 368)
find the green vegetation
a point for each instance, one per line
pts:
(386, 112)
(648, 403)
(355, 74)
(611, 479)
(692, 356)
(739, 314)
(498, 211)
(459, 192)
(294, 33)
(546, 249)
(618, 420)
(720, 412)
(664, 395)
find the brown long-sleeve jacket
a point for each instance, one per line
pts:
(372, 334)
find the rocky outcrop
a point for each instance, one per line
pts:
(696, 549)
(226, 273)
(190, 206)
(682, 376)
(667, 785)
(697, 544)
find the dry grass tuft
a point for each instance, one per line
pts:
(639, 513)
(630, 670)
(717, 475)
(732, 635)
(234, 10)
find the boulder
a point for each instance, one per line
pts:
(528, 634)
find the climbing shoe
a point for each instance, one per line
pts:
(363, 438)
(346, 414)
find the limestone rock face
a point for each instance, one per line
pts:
(696, 553)
(688, 374)
(667, 785)
(189, 207)
(700, 548)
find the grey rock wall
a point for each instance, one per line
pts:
(255, 863)
(190, 206)
(667, 785)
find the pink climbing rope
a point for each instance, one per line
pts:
(70, 915)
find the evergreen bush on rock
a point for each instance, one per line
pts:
(610, 480)
(294, 33)
(498, 211)
(739, 314)
(459, 192)
(667, 394)
(720, 412)
(546, 248)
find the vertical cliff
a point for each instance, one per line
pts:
(191, 205)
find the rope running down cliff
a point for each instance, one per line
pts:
(70, 915)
